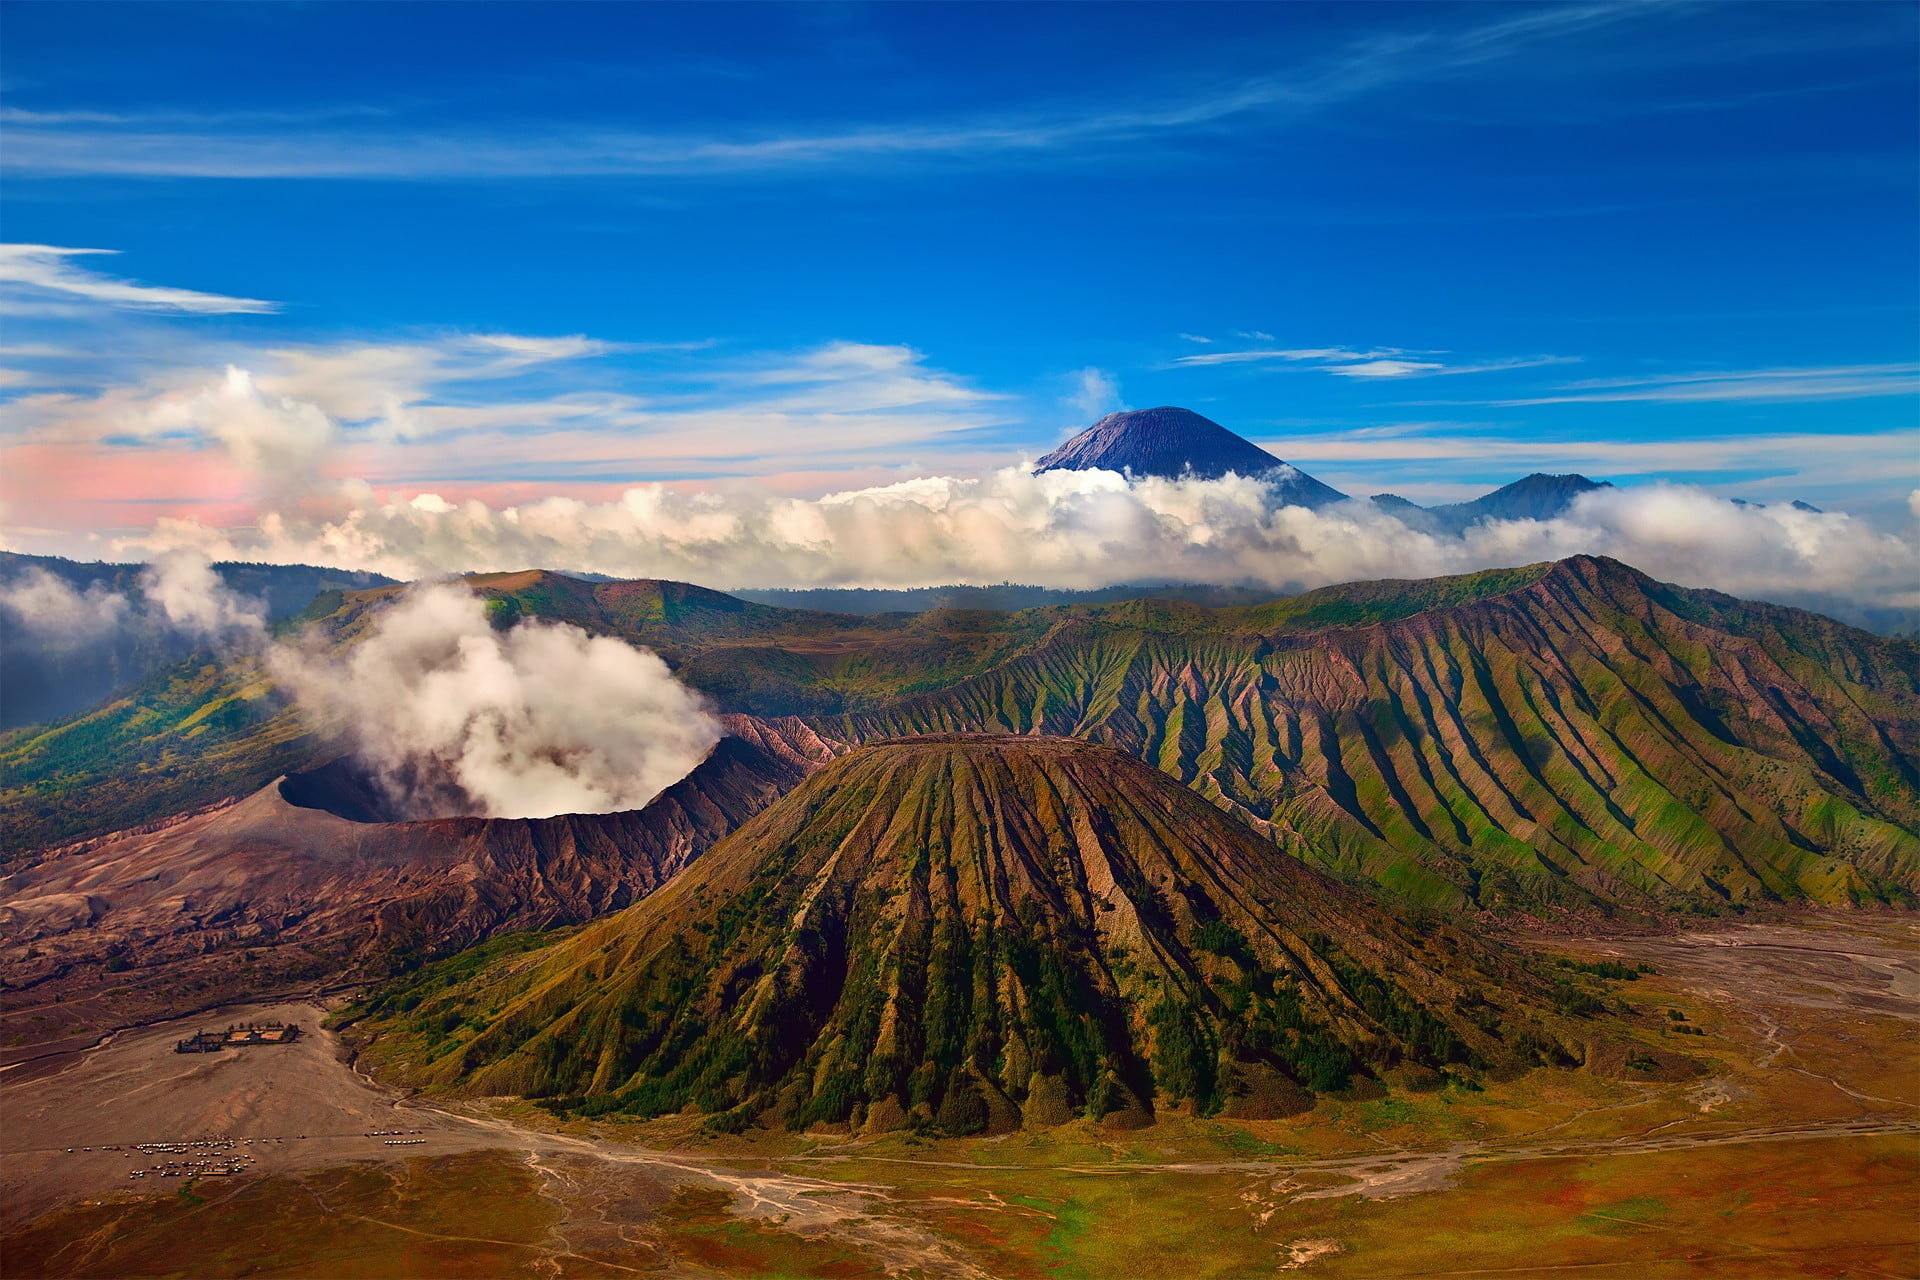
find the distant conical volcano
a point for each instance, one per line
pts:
(1170, 442)
(1536, 497)
(973, 932)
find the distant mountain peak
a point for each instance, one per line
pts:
(1539, 496)
(1170, 442)
(1546, 480)
(1167, 441)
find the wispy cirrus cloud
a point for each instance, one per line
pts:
(1378, 364)
(1095, 394)
(1392, 367)
(388, 384)
(1263, 354)
(33, 273)
(1448, 461)
(14, 116)
(464, 413)
(1830, 382)
(452, 385)
(168, 145)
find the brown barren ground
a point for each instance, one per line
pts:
(1796, 1154)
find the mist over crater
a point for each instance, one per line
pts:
(451, 715)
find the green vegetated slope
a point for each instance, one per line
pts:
(1572, 733)
(970, 933)
(188, 736)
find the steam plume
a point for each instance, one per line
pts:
(456, 717)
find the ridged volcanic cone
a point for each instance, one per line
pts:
(968, 932)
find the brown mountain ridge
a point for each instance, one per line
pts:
(293, 887)
(1572, 734)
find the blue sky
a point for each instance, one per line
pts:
(1426, 248)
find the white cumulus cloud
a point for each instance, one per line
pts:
(276, 438)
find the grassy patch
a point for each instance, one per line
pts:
(698, 1225)
(477, 1215)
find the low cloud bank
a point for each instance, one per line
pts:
(177, 594)
(457, 717)
(1065, 529)
(57, 614)
(183, 591)
(1060, 529)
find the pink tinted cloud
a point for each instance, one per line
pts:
(89, 486)
(81, 485)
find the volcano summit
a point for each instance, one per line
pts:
(1170, 442)
(974, 932)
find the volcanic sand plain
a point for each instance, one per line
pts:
(1796, 1152)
